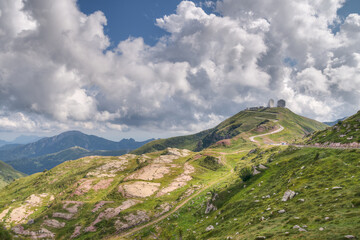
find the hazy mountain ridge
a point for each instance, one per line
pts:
(26, 157)
(22, 139)
(334, 122)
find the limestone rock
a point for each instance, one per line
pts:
(262, 167)
(54, 223)
(132, 220)
(209, 228)
(76, 232)
(256, 172)
(289, 194)
(349, 237)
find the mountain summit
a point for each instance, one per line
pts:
(249, 121)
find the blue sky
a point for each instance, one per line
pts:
(136, 18)
(95, 66)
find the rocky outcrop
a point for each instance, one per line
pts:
(40, 234)
(289, 194)
(132, 220)
(111, 213)
(54, 223)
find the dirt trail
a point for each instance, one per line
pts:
(252, 138)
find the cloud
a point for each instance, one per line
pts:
(56, 67)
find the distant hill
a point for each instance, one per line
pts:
(8, 174)
(40, 163)
(23, 139)
(346, 131)
(2, 143)
(335, 122)
(246, 121)
(29, 154)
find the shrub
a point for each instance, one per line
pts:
(245, 174)
(210, 162)
(4, 234)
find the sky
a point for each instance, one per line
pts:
(149, 69)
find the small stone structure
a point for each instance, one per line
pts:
(281, 103)
(271, 103)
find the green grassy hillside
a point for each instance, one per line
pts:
(8, 174)
(119, 188)
(346, 131)
(246, 121)
(326, 204)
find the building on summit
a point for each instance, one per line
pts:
(281, 103)
(271, 103)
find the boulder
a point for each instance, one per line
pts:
(210, 207)
(209, 228)
(349, 237)
(256, 172)
(289, 194)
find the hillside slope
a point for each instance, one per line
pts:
(103, 195)
(244, 122)
(344, 132)
(326, 204)
(8, 174)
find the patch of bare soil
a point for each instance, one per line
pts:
(178, 182)
(143, 158)
(110, 168)
(54, 223)
(84, 185)
(72, 206)
(100, 205)
(20, 214)
(224, 142)
(103, 184)
(127, 156)
(178, 152)
(132, 220)
(163, 208)
(165, 159)
(4, 213)
(66, 216)
(42, 233)
(139, 189)
(111, 213)
(76, 232)
(150, 172)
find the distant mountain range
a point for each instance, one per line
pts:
(334, 122)
(23, 139)
(51, 151)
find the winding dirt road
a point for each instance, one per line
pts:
(252, 138)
